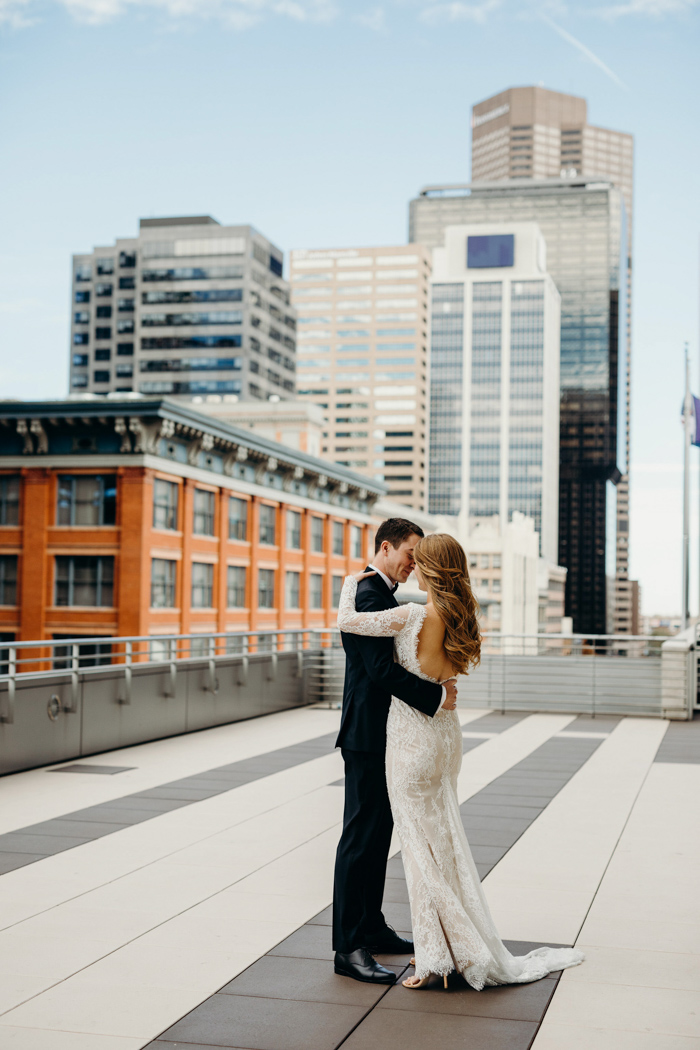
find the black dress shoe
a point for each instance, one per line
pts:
(362, 967)
(388, 942)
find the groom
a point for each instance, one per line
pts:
(371, 679)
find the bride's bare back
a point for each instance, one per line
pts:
(431, 653)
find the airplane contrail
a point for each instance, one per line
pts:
(584, 51)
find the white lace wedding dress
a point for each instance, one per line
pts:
(452, 925)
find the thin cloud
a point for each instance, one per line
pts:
(239, 14)
(585, 51)
(459, 12)
(12, 13)
(374, 19)
(647, 8)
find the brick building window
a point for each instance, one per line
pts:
(235, 586)
(317, 535)
(84, 581)
(337, 588)
(267, 523)
(315, 591)
(266, 588)
(163, 583)
(356, 541)
(237, 518)
(293, 529)
(338, 537)
(9, 499)
(204, 512)
(202, 585)
(86, 499)
(8, 579)
(292, 591)
(165, 501)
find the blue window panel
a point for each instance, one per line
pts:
(489, 250)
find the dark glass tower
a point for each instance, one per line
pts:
(583, 222)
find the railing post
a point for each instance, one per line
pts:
(9, 716)
(213, 686)
(172, 656)
(126, 699)
(74, 678)
(272, 671)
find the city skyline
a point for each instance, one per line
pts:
(417, 135)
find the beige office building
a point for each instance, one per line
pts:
(362, 355)
(533, 133)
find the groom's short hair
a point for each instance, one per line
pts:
(396, 530)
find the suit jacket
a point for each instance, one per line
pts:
(372, 677)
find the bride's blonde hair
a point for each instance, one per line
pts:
(443, 563)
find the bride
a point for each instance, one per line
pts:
(452, 925)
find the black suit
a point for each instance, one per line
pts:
(371, 679)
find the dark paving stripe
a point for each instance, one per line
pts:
(30, 844)
(595, 724)
(290, 999)
(493, 722)
(681, 742)
(85, 767)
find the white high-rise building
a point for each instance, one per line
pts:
(494, 379)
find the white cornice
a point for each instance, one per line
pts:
(113, 461)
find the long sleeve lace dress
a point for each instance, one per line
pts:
(452, 925)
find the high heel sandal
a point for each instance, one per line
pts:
(423, 981)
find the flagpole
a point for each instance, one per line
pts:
(687, 423)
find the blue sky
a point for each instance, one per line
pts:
(317, 121)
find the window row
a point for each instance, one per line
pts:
(165, 516)
(91, 500)
(164, 575)
(89, 581)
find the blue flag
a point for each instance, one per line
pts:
(695, 432)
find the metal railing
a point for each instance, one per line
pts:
(80, 656)
(71, 697)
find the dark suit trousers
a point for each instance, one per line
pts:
(360, 863)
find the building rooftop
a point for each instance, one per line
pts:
(184, 899)
(180, 220)
(88, 425)
(464, 189)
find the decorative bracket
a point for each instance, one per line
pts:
(320, 482)
(238, 454)
(201, 443)
(297, 474)
(122, 429)
(23, 431)
(268, 465)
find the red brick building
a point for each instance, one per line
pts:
(143, 517)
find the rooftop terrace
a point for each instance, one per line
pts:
(177, 893)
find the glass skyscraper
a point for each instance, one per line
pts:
(584, 225)
(494, 408)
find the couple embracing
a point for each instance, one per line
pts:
(401, 743)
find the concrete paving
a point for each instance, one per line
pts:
(185, 899)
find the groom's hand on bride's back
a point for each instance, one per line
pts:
(451, 698)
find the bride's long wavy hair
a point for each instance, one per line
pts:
(443, 563)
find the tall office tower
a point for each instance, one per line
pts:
(362, 356)
(188, 307)
(494, 379)
(533, 133)
(584, 225)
